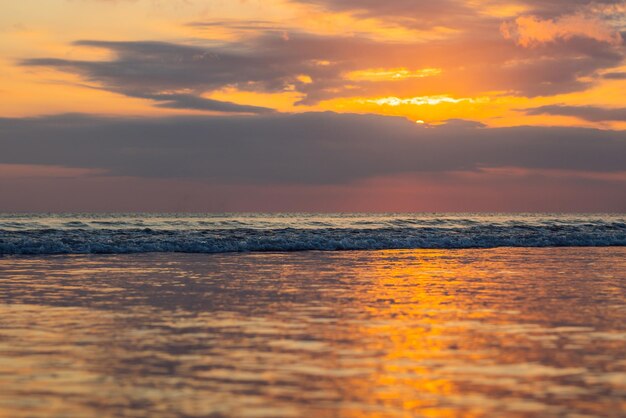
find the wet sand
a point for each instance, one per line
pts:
(525, 332)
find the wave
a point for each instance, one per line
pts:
(124, 241)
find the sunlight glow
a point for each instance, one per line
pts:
(485, 63)
(391, 74)
(424, 100)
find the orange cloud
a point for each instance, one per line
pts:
(529, 31)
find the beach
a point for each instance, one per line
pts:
(521, 332)
(312, 209)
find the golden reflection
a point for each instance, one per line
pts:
(407, 309)
(435, 333)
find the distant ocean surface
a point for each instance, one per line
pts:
(32, 234)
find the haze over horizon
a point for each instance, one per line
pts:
(313, 105)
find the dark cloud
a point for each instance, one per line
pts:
(411, 13)
(615, 76)
(237, 25)
(172, 75)
(589, 113)
(428, 14)
(160, 70)
(462, 123)
(309, 148)
(189, 101)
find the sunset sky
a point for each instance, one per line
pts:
(312, 105)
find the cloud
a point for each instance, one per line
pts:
(317, 67)
(615, 76)
(410, 13)
(178, 74)
(571, 42)
(529, 31)
(172, 75)
(189, 101)
(461, 14)
(299, 149)
(588, 113)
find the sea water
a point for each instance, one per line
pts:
(227, 316)
(220, 233)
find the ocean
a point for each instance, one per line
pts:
(298, 315)
(222, 233)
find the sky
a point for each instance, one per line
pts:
(313, 105)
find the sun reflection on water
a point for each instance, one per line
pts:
(516, 332)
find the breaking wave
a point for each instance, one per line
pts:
(29, 236)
